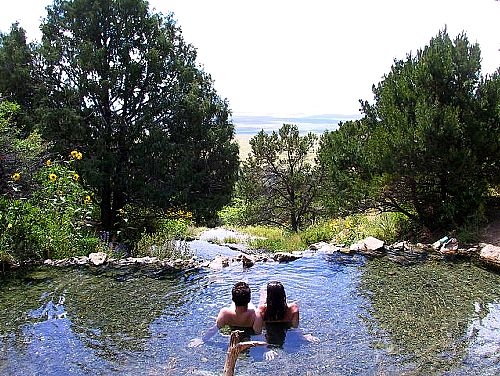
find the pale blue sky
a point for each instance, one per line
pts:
(297, 57)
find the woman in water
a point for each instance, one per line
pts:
(278, 316)
(274, 308)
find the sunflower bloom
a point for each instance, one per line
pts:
(74, 154)
(87, 200)
(16, 176)
(76, 177)
(52, 177)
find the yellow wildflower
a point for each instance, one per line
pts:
(74, 154)
(52, 177)
(48, 163)
(9, 225)
(16, 176)
(79, 156)
(87, 200)
(76, 176)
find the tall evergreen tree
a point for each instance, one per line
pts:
(17, 79)
(429, 142)
(124, 88)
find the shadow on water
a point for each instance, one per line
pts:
(372, 317)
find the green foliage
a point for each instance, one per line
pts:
(273, 239)
(278, 181)
(17, 78)
(44, 209)
(323, 231)
(428, 146)
(135, 222)
(233, 214)
(389, 227)
(53, 222)
(347, 166)
(123, 85)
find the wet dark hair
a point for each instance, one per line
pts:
(276, 333)
(241, 294)
(275, 302)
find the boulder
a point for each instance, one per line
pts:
(324, 247)
(370, 246)
(98, 258)
(219, 262)
(285, 257)
(450, 247)
(490, 254)
(318, 246)
(247, 261)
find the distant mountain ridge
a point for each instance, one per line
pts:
(251, 124)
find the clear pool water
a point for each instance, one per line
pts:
(373, 317)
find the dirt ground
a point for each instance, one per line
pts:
(491, 232)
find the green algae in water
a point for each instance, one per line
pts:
(111, 312)
(427, 309)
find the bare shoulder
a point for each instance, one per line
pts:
(224, 317)
(293, 307)
(225, 311)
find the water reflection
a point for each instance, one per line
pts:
(483, 335)
(372, 317)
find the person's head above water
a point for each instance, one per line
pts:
(275, 301)
(241, 294)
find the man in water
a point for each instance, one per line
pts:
(241, 315)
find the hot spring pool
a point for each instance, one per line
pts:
(373, 317)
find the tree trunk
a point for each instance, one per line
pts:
(106, 220)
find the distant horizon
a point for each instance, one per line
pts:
(252, 124)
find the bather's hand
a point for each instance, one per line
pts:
(311, 338)
(195, 342)
(270, 355)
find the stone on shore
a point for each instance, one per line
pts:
(490, 254)
(369, 246)
(285, 257)
(98, 258)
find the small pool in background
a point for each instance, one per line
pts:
(373, 317)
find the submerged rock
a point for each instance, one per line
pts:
(405, 253)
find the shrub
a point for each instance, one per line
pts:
(233, 214)
(385, 226)
(163, 246)
(273, 239)
(135, 222)
(320, 232)
(53, 221)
